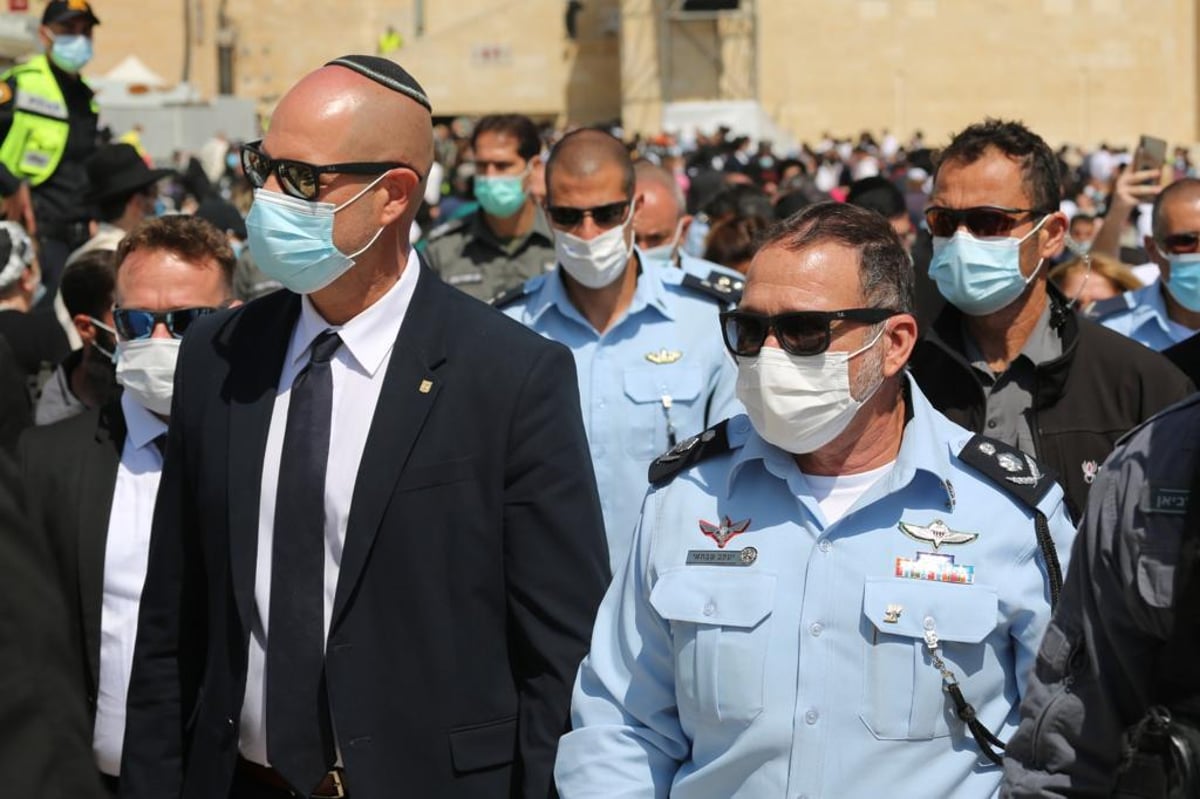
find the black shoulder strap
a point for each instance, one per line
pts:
(689, 452)
(509, 297)
(1020, 475)
(722, 288)
(1178, 658)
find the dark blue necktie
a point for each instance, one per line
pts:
(299, 732)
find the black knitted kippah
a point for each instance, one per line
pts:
(385, 72)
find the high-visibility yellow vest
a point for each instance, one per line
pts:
(38, 137)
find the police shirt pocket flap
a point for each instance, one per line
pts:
(651, 383)
(710, 595)
(902, 606)
(484, 745)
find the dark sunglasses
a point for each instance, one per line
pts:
(983, 220)
(300, 179)
(603, 215)
(1180, 243)
(133, 324)
(799, 332)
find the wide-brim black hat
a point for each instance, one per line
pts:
(117, 169)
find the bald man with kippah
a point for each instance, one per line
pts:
(378, 548)
(646, 336)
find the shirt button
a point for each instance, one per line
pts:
(812, 716)
(710, 608)
(816, 628)
(824, 545)
(929, 623)
(992, 424)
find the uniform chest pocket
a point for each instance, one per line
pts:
(902, 692)
(650, 390)
(720, 631)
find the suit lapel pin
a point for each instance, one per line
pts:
(425, 387)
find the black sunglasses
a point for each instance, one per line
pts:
(605, 216)
(799, 332)
(985, 221)
(1180, 243)
(133, 324)
(300, 179)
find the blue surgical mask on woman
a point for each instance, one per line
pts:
(291, 240)
(70, 53)
(980, 276)
(1184, 283)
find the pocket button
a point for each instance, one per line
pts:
(812, 717)
(709, 608)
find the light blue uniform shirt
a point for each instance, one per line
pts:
(804, 673)
(658, 374)
(1142, 316)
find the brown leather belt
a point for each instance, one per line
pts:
(332, 787)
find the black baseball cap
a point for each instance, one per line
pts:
(63, 10)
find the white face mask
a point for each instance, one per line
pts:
(664, 252)
(597, 262)
(146, 368)
(799, 403)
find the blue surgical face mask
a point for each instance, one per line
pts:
(238, 248)
(664, 252)
(1184, 283)
(697, 232)
(71, 53)
(980, 276)
(292, 240)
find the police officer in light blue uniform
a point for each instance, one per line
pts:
(651, 366)
(1168, 311)
(854, 621)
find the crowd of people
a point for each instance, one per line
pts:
(382, 456)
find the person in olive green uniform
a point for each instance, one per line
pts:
(48, 128)
(506, 241)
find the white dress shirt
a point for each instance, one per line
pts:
(126, 551)
(358, 369)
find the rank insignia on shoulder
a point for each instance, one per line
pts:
(937, 532)
(1008, 467)
(689, 452)
(717, 286)
(664, 356)
(721, 533)
(509, 297)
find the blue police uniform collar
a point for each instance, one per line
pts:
(1148, 304)
(928, 443)
(649, 293)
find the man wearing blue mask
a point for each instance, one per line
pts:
(660, 228)
(644, 335)
(395, 483)
(1167, 311)
(505, 241)
(48, 124)
(1007, 356)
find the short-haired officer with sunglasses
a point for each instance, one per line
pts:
(651, 367)
(841, 592)
(92, 479)
(1167, 311)
(1007, 356)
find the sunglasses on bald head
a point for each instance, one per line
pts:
(984, 221)
(300, 179)
(798, 332)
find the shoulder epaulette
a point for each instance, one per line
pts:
(448, 227)
(1009, 468)
(722, 288)
(1102, 308)
(688, 453)
(512, 295)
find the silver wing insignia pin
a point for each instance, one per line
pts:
(936, 533)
